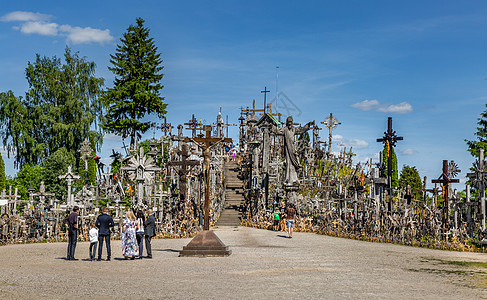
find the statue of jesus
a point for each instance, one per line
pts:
(292, 163)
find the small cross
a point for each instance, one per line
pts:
(265, 91)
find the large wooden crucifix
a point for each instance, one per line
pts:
(206, 144)
(445, 181)
(390, 138)
(184, 168)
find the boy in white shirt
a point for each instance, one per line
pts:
(93, 233)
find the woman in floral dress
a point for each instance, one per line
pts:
(129, 240)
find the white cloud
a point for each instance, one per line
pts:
(24, 16)
(36, 23)
(401, 108)
(355, 143)
(41, 28)
(409, 151)
(366, 105)
(80, 35)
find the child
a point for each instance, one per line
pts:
(93, 233)
(276, 218)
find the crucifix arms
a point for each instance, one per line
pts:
(204, 146)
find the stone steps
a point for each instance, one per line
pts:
(231, 213)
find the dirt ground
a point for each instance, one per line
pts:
(263, 265)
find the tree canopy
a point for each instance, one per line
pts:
(59, 109)
(410, 175)
(136, 92)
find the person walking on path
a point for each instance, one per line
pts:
(140, 232)
(72, 222)
(103, 223)
(150, 224)
(93, 233)
(290, 214)
(276, 218)
(282, 220)
(129, 240)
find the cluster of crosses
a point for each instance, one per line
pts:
(183, 180)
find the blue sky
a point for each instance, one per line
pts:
(423, 63)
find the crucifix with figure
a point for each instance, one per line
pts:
(206, 144)
(206, 243)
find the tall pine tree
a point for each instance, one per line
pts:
(481, 134)
(136, 92)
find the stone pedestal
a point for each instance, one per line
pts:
(205, 243)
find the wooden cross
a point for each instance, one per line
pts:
(445, 181)
(184, 168)
(251, 111)
(166, 127)
(390, 138)
(192, 125)
(227, 125)
(206, 144)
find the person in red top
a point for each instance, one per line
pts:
(290, 214)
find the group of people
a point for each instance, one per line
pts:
(135, 230)
(284, 215)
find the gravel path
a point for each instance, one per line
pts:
(263, 265)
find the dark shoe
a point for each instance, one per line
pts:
(67, 258)
(140, 257)
(108, 259)
(148, 257)
(74, 259)
(98, 259)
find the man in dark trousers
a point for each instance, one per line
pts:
(149, 229)
(104, 222)
(72, 222)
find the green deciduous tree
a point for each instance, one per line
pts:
(55, 165)
(410, 175)
(59, 110)
(28, 176)
(136, 92)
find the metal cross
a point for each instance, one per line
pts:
(445, 181)
(330, 123)
(192, 125)
(166, 127)
(265, 91)
(390, 138)
(184, 167)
